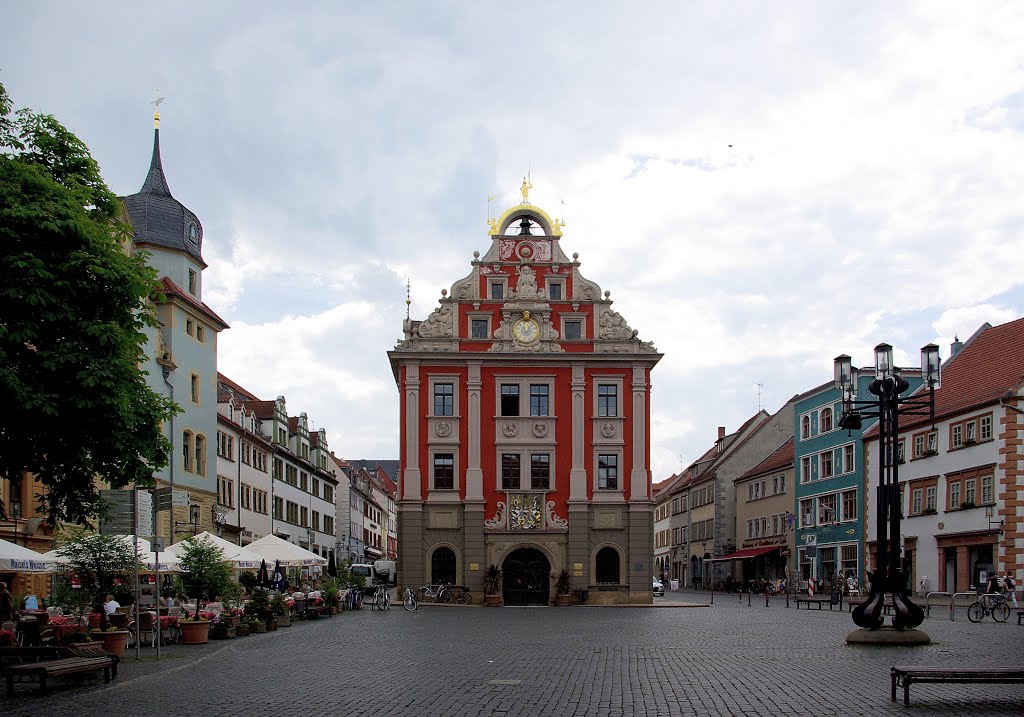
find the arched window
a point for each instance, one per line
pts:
(442, 566)
(607, 566)
(826, 419)
(187, 447)
(201, 454)
(805, 427)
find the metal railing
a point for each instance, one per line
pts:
(952, 601)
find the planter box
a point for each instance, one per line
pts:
(284, 620)
(260, 627)
(242, 631)
(116, 643)
(223, 631)
(492, 600)
(271, 624)
(195, 632)
(561, 600)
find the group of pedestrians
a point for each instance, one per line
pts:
(1003, 585)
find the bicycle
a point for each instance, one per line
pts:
(439, 594)
(989, 604)
(410, 603)
(381, 599)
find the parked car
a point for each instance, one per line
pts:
(659, 588)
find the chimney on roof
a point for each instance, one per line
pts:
(954, 348)
(721, 432)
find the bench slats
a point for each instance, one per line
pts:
(927, 674)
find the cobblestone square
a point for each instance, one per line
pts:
(725, 659)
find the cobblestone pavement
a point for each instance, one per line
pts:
(725, 659)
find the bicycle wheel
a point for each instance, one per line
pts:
(462, 598)
(387, 601)
(1000, 612)
(373, 603)
(444, 596)
(379, 601)
(410, 602)
(974, 612)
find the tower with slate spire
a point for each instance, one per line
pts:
(182, 349)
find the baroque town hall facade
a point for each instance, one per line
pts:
(525, 427)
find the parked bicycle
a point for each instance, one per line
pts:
(992, 604)
(437, 593)
(381, 599)
(410, 602)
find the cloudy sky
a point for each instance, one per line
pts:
(761, 186)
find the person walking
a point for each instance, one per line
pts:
(7, 610)
(1011, 589)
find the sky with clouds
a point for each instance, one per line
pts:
(761, 186)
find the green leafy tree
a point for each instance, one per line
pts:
(98, 562)
(205, 574)
(74, 303)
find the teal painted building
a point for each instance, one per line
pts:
(830, 483)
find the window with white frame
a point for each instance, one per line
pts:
(511, 468)
(805, 469)
(444, 471)
(805, 427)
(827, 512)
(540, 471)
(807, 513)
(848, 458)
(444, 399)
(849, 505)
(931, 497)
(986, 427)
(825, 420)
(848, 559)
(987, 490)
(826, 464)
(607, 399)
(539, 399)
(608, 471)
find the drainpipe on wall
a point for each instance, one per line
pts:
(174, 454)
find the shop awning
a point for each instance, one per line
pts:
(748, 553)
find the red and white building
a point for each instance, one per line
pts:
(525, 427)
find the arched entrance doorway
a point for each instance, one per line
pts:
(525, 577)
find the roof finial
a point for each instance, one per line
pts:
(156, 113)
(408, 300)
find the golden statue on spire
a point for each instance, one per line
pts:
(525, 190)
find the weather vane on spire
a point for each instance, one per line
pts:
(156, 104)
(408, 300)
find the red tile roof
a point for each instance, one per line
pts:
(172, 289)
(262, 409)
(988, 366)
(781, 459)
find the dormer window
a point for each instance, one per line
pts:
(193, 234)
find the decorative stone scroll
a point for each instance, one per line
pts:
(500, 519)
(555, 520)
(614, 327)
(439, 325)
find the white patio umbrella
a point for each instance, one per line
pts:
(16, 558)
(272, 548)
(241, 558)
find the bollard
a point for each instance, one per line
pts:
(766, 598)
(740, 594)
(749, 592)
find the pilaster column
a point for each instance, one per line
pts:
(640, 475)
(578, 472)
(474, 474)
(411, 477)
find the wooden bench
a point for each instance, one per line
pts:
(908, 675)
(814, 601)
(30, 664)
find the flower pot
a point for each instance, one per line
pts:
(562, 600)
(115, 642)
(195, 632)
(223, 631)
(284, 620)
(235, 620)
(492, 600)
(259, 627)
(242, 630)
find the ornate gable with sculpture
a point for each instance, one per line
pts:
(525, 420)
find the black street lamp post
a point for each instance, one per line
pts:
(887, 407)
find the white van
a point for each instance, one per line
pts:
(383, 571)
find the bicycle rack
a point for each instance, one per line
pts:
(928, 599)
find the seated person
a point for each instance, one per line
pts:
(110, 606)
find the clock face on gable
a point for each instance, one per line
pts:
(526, 331)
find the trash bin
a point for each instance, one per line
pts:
(584, 594)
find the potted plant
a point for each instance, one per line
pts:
(222, 629)
(492, 586)
(96, 563)
(242, 629)
(280, 610)
(194, 629)
(114, 641)
(329, 590)
(563, 588)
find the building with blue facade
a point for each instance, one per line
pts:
(831, 482)
(181, 358)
